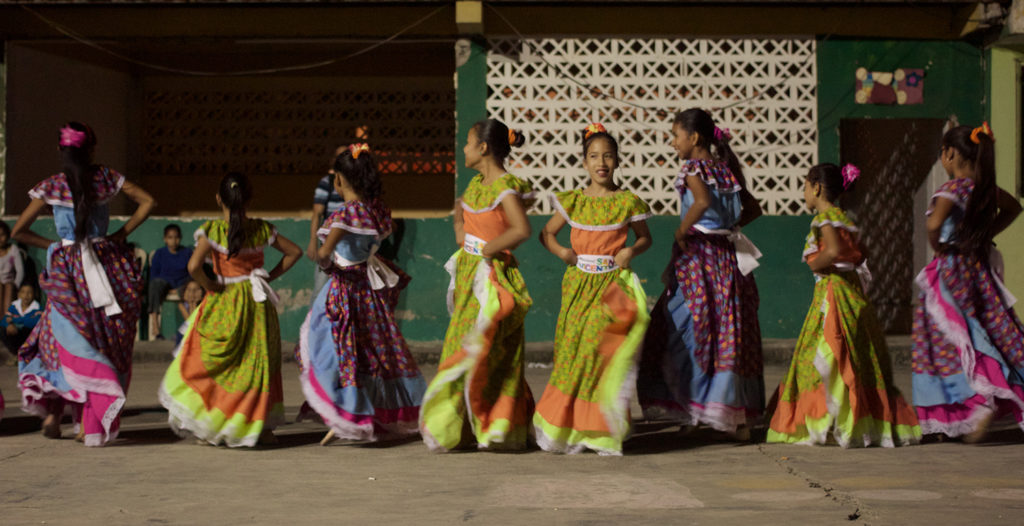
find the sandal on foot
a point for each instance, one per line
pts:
(328, 438)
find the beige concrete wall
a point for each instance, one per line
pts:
(1006, 126)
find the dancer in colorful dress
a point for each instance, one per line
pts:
(968, 354)
(604, 309)
(701, 357)
(224, 385)
(480, 392)
(839, 385)
(355, 368)
(81, 348)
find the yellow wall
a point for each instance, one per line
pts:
(1006, 125)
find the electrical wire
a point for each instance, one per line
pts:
(195, 73)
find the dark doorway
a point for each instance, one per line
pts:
(894, 156)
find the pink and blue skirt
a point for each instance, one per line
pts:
(356, 370)
(702, 361)
(968, 348)
(78, 353)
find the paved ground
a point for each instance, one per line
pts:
(149, 476)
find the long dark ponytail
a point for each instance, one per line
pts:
(235, 192)
(975, 232)
(77, 142)
(696, 120)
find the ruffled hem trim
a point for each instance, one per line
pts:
(185, 424)
(473, 345)
(330, 414)
(960, 338)
(552, 445)
(956, 428)
(35, 389)
(721, 417)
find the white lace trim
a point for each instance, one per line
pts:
(185, 424)
(342, 427)
(596, 228)
(324, 231)
(961, 340)
(245, 250)
(497, 200)
(551, 445)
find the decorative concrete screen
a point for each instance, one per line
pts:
(774, 134)
(290, 126)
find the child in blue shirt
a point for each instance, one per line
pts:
(21, 318)
(168, 270)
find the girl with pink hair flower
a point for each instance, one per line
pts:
(839, 387)
(80, 352)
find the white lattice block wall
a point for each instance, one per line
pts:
(775, 134)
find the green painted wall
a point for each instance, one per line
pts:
(955, 82)
(470, 102)
(425, 245)
(1006, 126)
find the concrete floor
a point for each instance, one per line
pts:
(149, 476)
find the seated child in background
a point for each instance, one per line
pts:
(21, 318)
(11, 268)
(191, 296)
(168, 270)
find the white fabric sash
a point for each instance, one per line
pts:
(473, 245)
(595, 264)
(100, 291)
(379, 274)
(261, 290)
(747, 253)
(864, 273)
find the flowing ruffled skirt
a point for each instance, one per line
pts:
(840, 379)
(702, 360)
(78, 353)
(968, 355)
(355, 368)
(597, 346)
(224, 385)
(480, 391)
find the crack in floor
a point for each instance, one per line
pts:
(860, 512)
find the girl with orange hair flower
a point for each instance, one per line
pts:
(479, 397)
(355, 367)
(604, 309)
(968, 354)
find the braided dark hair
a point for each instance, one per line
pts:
(79, 171)
(235, 192)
